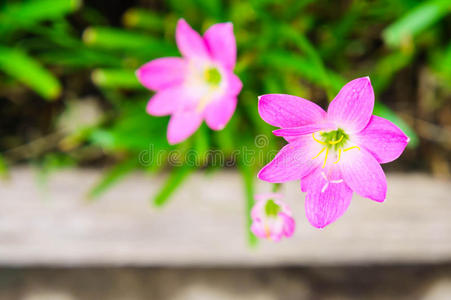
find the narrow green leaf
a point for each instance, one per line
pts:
(27, 13)
(415, 21)
(212, 8)
(302, 66)
(249, 191)
(80, 58)
(117, 39)
(441, 64)
(3, 167)
(116, 78)
(145, 19)
(176, 178)
(388, 66)
(25, 69)
(201, 145)
(311, 53)
(112, 176)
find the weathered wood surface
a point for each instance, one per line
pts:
(203, 224)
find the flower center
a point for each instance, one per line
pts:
(212, 76)
(334, 140)
(271, 208)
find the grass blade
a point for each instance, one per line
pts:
(27, 13)
(249, 191)
(116, 78)
(25, 69)
(111, 177)
(415, 21)
(178, 175)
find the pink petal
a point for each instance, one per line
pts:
(183, 124)
(352, 107)
(219, 112)
(267, 196)
(363, 174)
(325, 202)
(234, 84)
(301, 130)
(383, 139)
(221, 42)
(162, 73)
(289, 224)
(189, 42)
(288, 111)
(165, 101)
(293, 161)
(285, 208)
(258, 229)
(258, 209)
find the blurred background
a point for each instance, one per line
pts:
(97, 205)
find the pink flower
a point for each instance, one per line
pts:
(271, 218)
(199, 86)
(333, 154)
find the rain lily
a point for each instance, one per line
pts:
(199, 86)
(333, 153)
(271, 217)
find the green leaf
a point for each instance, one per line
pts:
(4, 173)
(249, 190)
(112, 176)
(28, 13)
(386, 67)
(441, 64)
(212, 8)
(79, 58)
(383, 111)
(117, 39)
(313, 57)
(201, 145)
(116, 78)
(25, 69)
(145, 19)
(415, 21)
(286, 61)
(176, 178)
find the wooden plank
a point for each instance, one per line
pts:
(203, 225)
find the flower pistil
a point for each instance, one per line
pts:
(333, 140)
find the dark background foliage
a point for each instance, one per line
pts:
(70, 97)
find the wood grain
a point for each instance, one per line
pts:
(203, 224)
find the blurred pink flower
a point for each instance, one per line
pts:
(271, 217)
(333, 154)
(199, 86)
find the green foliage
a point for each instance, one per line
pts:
(27, 13)
(249, 191)
(3, 167)
(127, 41)
(116, 78)
(301, 47)
(178, 175)
(25, 69)
(19, 18)
(415, 21)
(112, 176)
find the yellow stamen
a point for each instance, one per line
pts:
(321, 142)
(325, 159)
(319, 153)
(339, 156)
(350, 148)
(336, 142)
